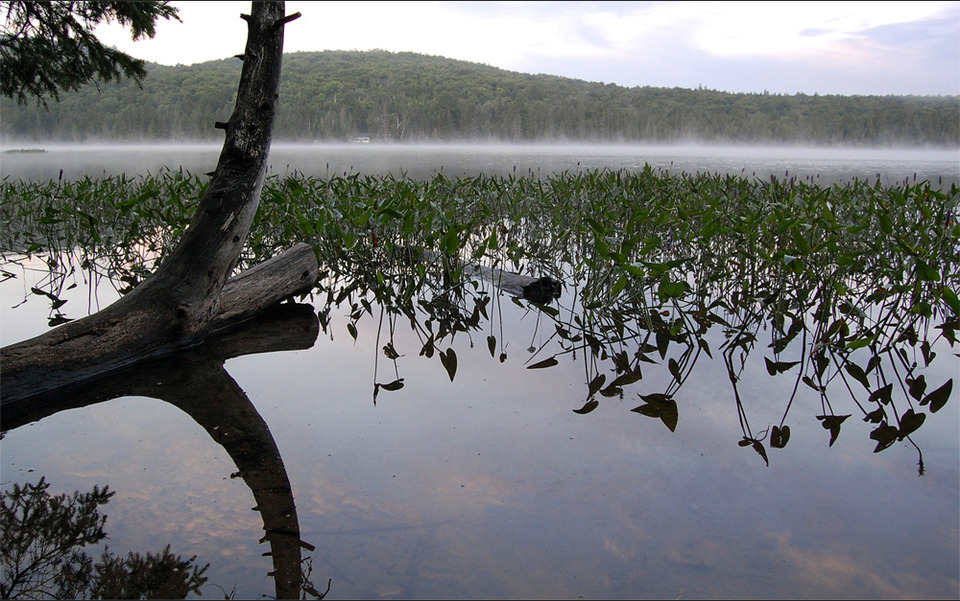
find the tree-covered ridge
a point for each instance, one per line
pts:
(337, 95)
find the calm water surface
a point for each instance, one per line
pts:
(490, 485)
(822, 165)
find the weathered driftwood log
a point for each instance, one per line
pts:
(196, 382)
(178, 305)
(248, 293)
(542, 290)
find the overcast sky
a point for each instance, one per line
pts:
(782, 47)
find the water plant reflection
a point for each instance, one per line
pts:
(847, 290)
(43, 553)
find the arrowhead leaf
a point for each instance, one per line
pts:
(909, 422)
(449, 361)
(545, 363)
(588, 407)
(938, 398)
(779, 437)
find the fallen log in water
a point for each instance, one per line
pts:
(44, 363)
(541, 290)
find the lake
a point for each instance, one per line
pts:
(820, 165)
(490, 484)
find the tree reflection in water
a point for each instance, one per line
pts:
(197, 383)
(42, 553)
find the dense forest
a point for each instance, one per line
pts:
(339, 95)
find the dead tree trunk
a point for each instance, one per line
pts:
(184, 299)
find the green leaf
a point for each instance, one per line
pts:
(352, 329)
(952, 300)
(669, 289)
(886, 225)
(492, 345)
(663, 342)
(857, 373)
(618, 286)
(926, 272)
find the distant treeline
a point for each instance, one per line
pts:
(337, 95)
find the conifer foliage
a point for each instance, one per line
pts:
(49, 47)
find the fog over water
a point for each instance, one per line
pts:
(824, 165)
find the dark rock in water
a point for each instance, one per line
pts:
(542, 290)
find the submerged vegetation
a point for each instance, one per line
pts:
(845, 290)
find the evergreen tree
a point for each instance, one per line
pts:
(49, 47)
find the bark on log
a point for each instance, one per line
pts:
(182, 301)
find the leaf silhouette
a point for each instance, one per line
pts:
(674, 368)
(876, 416)
(660, 406)
(858, 374)
(917, 386)
(588, 407)
(938, 398)
(832, 423)
(779, 437)
(882, 395)
(885, 435)
(449, 361)
(909, 422)
(545, 363)
(758, 447)
(395, 385)
(596, 384)
(774, 368)
(627, 378)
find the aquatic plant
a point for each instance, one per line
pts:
(853, 284)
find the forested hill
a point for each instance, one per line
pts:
(338, 95)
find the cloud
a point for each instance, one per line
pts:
(783, 47)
